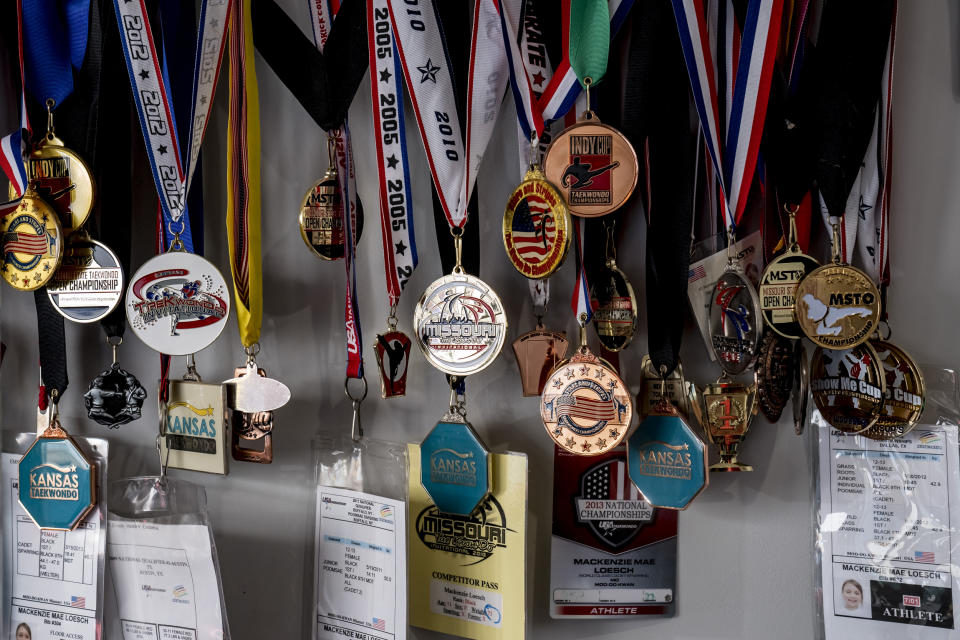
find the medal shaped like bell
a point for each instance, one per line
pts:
(538, 353)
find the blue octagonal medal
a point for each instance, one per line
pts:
(666, 459)
(454, 467)
(57, 481)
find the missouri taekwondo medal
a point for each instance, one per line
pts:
(613, 302)
(838, 306)
(735, 321)
(177, 303)
(728, 409)
(536, 226)
(89, 283)
(62, 178)
(800, 392)
(666, 459)
(538, 353)
(848, 386)
(778, 286)
(774, 374)
(32, 243)
(586, 407)
(57, 481)
(904, 396)
(593, 165)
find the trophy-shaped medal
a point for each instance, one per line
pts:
(728, 410)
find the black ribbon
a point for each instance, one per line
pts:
(656, 68)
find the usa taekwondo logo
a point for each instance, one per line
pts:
(610, 504)
(536, 230)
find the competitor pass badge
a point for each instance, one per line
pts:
(89, 283)
(848, 386)
(612, 555)
(460, 324)
(177, 303)
(57, 483)
(536, 227)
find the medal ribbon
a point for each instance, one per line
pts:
(580, 303)
(396, 202)
(737, 160)
(13, 146)
(155, 108)
(55, 43)
(589, 40)
(243, 177)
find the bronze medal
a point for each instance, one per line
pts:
(775, 373)
(837, 306)
(538, 353)
(63, 180)
(252, 433)
(32, 243)
(536, 226)
(848, 386)
(593, 165)
(904, 396)
(729, 408)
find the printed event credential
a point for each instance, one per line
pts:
(361, 554)
(889, 534)
(54, 575)
(467, 572)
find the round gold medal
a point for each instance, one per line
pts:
(64, 180)
(848, 386)
(536, 226)
(586, 407)
(321, 218)
(614, 307)
(32, 243)
(904, 397)
(837, 306)
(593, 165)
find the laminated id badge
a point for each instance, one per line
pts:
(612, 555)
(54, 585)
(360, 540)
(467, 573)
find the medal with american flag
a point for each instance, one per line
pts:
(32, 243)
(536, 226)
(586, 407)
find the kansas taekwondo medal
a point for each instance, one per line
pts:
(586, 407)
(838, 306)
(848, 386)
(177, 303)
(593, 165)
(904, 396)
(734, 322)
(89, 283)
(63, 179)
(32, 243)
(460, 324)
(536, 226)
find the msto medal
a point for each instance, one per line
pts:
(778, 285)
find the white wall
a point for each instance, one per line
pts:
(745, 568)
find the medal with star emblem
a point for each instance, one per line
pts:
(32, 243)
(586, 407)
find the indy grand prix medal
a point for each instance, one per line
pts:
(32, 243)
(89, 283)
(735, 321)
(593, 165)
(538, 353)
(177, 303)
(586, 407)
(904, 396)
(536, 226)
(848, 386)
(57, 481)
(838, 306)
(613, 302)
(666, 459)
(778, 286)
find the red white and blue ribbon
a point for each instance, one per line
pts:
(396, 203)
(155, 107)
(324, 13)
(13, 146)
(733, 152)
(580, 302)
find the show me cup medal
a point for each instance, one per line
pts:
(848, 386)
(665, 458)
(904, 396)
(779, 282)
(57, 481)
(32, 243)
(728, 409)
(612, 301)
(586, 407)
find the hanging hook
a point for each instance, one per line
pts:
(588, 114)
(457, 233)
(50, 104)
(356, 428)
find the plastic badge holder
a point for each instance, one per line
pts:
(97, 449)
(146, 508)
(886, 538)
(373, 467)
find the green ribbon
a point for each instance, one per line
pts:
(589, 38)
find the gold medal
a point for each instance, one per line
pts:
(904, 396)
(536, 226)
(848, 387)
(586, 407)
(32, 243)
(778, 285)
(613, 302)
(728, 410)
(838, 306)
(321, 217)
(673, 388)
(593, 165)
